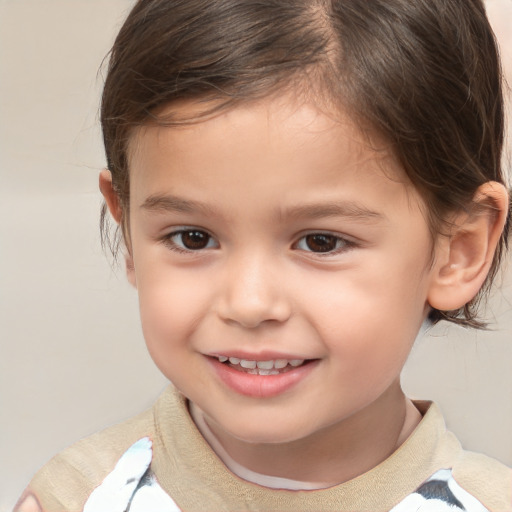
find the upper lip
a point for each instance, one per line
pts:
(259, 356)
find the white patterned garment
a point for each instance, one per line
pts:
(132, 487)
(440, 493)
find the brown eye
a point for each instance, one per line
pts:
(321, 243)
(186, 240)
(195, 240)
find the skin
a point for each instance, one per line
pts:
(28, 503)
(256, 181)
(261, 183)
(258, 288)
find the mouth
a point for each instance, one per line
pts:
(264, 376)
(269, 367)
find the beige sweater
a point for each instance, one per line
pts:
(189, 471)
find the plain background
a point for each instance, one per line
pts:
(72, 357)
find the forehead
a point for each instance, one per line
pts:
(266, 145)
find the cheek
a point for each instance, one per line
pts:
(170, 304)
(371, 346)
(369, 321)
(367, 301)
(168, 316)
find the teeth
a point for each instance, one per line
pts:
(244, 363)
(264, 366)
(268, 372)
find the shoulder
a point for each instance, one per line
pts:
(68, 479)
(484, 478)
(487, 479)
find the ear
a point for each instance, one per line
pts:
(463, 259)
(114, 207)
(110, 195)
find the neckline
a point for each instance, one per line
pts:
(185, 462)
(272, 482)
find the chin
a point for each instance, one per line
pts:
(270, 433)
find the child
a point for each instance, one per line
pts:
(300, 185)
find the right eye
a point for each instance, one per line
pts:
(324, 244)
(189, 240)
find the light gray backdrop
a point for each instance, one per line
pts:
(72, 358)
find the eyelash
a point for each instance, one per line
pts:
(169, 241)
(342, 244)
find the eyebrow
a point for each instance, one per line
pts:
(169, 203)
(348, 209)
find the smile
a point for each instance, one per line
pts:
(270, 367)
(263, 378)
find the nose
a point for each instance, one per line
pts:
(252, 293)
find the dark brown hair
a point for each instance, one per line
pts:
(424, 74)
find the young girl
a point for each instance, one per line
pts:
(300, 186)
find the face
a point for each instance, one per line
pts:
(282, 266)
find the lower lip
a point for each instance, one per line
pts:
(261, 386)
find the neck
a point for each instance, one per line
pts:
(337, 453)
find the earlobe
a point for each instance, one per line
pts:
(464, 257)
(130, 270)
(110, 195)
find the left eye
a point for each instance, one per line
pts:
(190, 240)
(322, 243)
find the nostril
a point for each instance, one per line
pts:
(251, 314)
